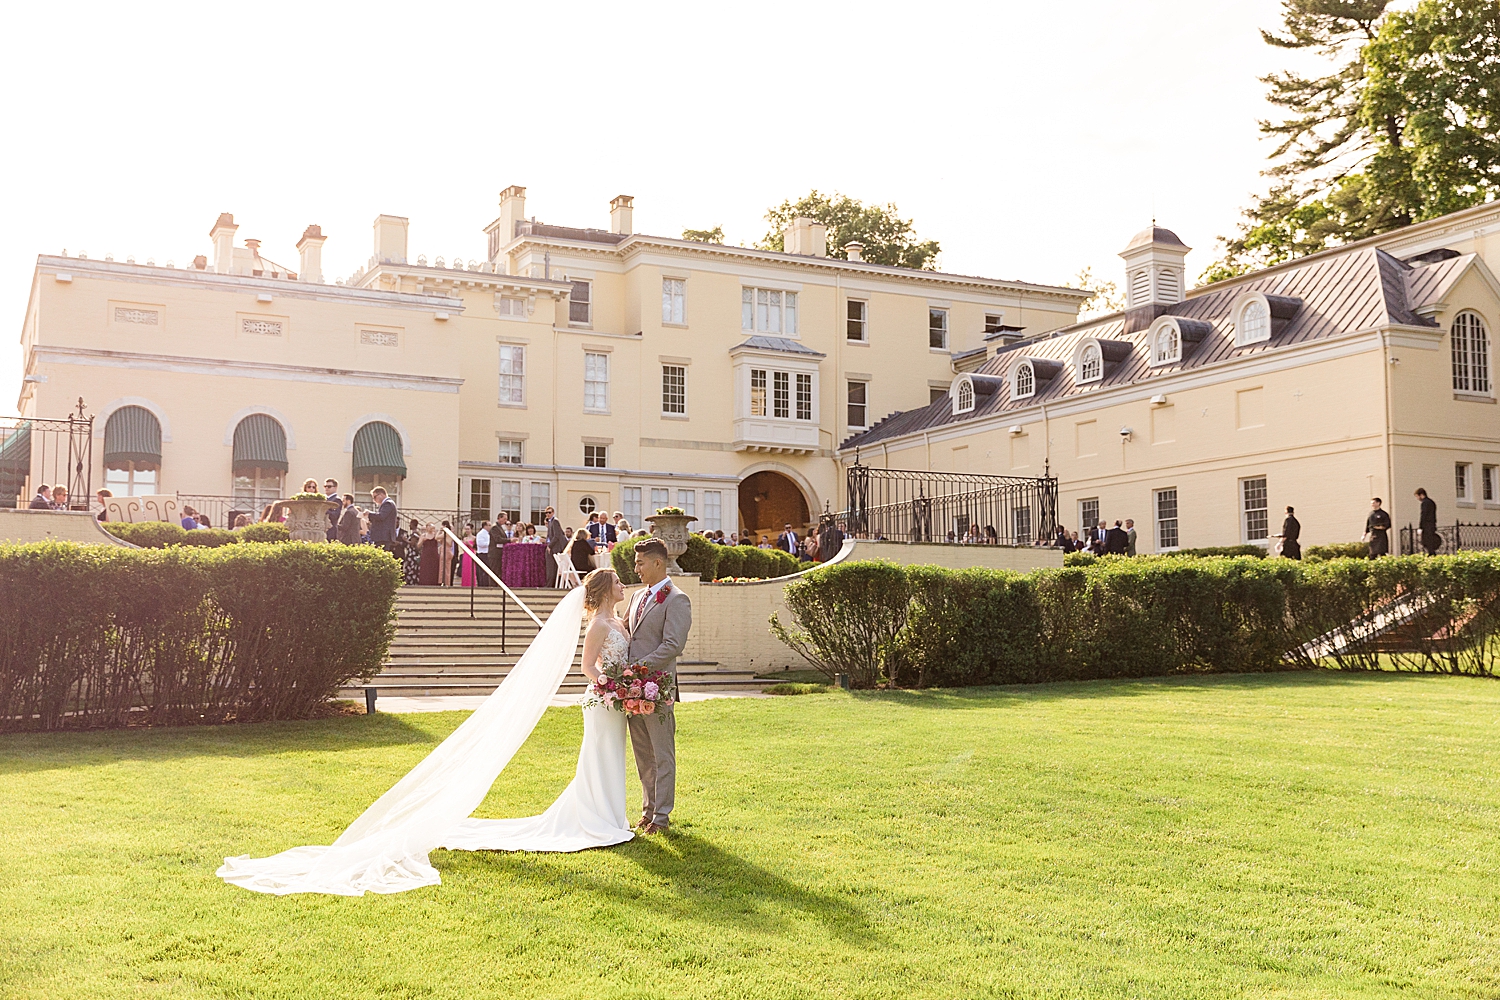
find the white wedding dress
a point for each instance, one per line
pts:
(385, 849)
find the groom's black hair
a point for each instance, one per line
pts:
(652, 547)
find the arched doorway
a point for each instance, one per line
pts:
(769, 500)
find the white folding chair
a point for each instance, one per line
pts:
(567, 573)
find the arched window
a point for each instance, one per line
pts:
(1254, 323)
(965, 401)
(1023, 382)
(1471, 354)
(259, 459)
(378, 461)
(1166, 346)
(1090, 363)
(132, 452)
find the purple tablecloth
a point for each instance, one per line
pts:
(523, 565)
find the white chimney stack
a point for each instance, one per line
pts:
(805, 237)
(223, 236)
(390, 239)
(854, 250)
(512, 211)
(311, 248)
(621, 211)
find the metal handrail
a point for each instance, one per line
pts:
(499, 582)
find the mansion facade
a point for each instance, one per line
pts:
(582, 368)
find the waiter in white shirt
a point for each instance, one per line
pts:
(482, 546)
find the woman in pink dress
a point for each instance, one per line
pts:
(469, 575)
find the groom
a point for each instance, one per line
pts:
(659, 619)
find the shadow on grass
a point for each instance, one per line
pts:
(706, 883)
(26, 752)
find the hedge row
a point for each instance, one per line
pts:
(714, 562)
(160, 534)
(1313, 553)
(926, 626)
(95, 635)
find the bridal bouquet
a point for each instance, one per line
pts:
(634, 689)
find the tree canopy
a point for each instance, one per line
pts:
(1403, 128)
(714, 235)
(887, 238)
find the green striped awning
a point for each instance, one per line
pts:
(15, 463)
(377, 451)
(259, 440)
(132, 434)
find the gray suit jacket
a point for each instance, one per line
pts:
(557, 538)
(657, 640)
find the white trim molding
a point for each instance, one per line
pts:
(242, 369)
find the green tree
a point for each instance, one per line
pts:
(714, 235)
(1403, 129)
(1106, 298)
(887, 238)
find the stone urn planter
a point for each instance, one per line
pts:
(672, 529)
(307, 520)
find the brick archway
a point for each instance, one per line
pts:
(769, 500)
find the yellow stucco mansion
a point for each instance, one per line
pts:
(582, 368)
(1365, 371)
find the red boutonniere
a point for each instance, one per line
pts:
(661, 595)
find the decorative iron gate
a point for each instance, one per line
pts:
(901, 505)
(34, 451)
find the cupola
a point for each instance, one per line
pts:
(1155, 268)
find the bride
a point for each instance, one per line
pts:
(591, 811)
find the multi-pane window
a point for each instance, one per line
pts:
(687, 500)
(1020, 520)
(541, 499)
(580, 302)
(804, 396)
(510, 453)
(673, 300)
(1023, 383)
(1471, 354)
(595, 456)
(713, 510)
(1254, 325)
(937, 328)
(857, 407)
(757, 392)
(859, 315)
(993, 322)
(1253, 509)
(965, 396)
(659, 499)
(510, 500)
(630, 504)
(512, 375)
(1489, 484)
(510, 305)
(1462, 480)
(1166, 519)
(765, 310)
(781, 394)
(127, 478)
(479, 500)
(673, 389)
(257, 485)
(1090, 363)
(1088, 517)
(596, 383)
(1167, 347)
(365, 482)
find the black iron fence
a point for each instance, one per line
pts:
(900, 505)
(1453, 538)
(36, 452)
(221, 511)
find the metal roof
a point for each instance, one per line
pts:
(781, 344)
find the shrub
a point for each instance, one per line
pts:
(731, 563)
(1253, 551)
(1080, 559)
(147, 534)
(968, 627)
(622, 558)
(1339, 550)
(264, 531)
(847, 617)
(701, 557)
(158, 534)
(209, 538)
(712, 562)
(795, 688)
(100, 636)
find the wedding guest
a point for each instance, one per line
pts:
(1130, 536)
(43, 498)
(972, 536)
(348, 526)
(447, 553)
(1291, 534)
(241, 520)
(335, 508)
(765, 542)
(104, 497)
(383, 520)
(482, 540)
(59, 497)
(788, 541)
(581, 551)
(188, 522)
(1115, 541)
(1427, 523)
(203, 519)
(601, 532)
(830, 541)
(1377, 530)
(469, 572)
(531, 537)
(992, 537)
(430, 557)
(557, 542)
(411, 555)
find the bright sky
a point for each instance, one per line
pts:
(1029, 139)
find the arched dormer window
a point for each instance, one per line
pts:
(1166, 344)
(963, 397)
(1471, 354)
(1252, 320)
(1023, 381)
(1090, 362)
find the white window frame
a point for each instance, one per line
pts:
(630, 505)
(1244, 337)
(509, 488)
(713, 510)
(781, 395)
(1161, 523)
(1255, 529)
(688, 501)
(771, 311)
(659, 498)
(587, 303)
(1173, 355)
(1023, 380)
(511, 307)
(941, 327)
(540, 498)
(1463, 483)
(993, 321)
(1018, 515)
(857, 329)
(595, 389)
(599, 459)
(1469, 339)
(1088, 363)
(129, 478)
(674, 403)
(963, 396)
(1489, 480)
(1087, 523)
(802, 396)
(760, 381)
(863, 403)
(505, 445)
(673, 301)
(513, 382)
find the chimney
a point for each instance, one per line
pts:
(223, 236)
(310, 246)
(854, 250)
(512, 211)
(390, 239)
(1155, 267)
(620, 211)
(805, 237)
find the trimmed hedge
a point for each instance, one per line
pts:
(159, 534)
(925, 626)
(1341, 550)
(95, 635)
(712, 562)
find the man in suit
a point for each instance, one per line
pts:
(557, 541)
(1291, 532)
(1116, 541)
(335, 508)
(830, 540)
(348, 526)
(1427, 523)
(1377, 530)
(383, 520)
(1130, 536)
(42, 500)
(601, 532)
(788, 542)
(659, 620)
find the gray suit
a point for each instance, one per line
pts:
(557, 541)
(655, 641)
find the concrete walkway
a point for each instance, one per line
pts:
(398, 705)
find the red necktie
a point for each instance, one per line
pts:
(640, 610)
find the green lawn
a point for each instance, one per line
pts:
(1301, 835)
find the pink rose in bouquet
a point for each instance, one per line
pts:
(634, 689)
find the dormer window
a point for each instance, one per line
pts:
(1252, 320)
(1166, 344)
(963, 398)
(1023, 381)
(1090, 362)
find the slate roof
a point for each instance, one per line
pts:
(1155, 234)
(781, 344)
(1363, 289)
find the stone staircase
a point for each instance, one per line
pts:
(440, 650)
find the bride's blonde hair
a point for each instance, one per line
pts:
(597, 587)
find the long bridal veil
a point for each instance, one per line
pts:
(385, 849)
